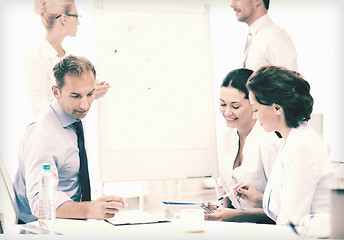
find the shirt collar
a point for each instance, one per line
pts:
(302, 125)
(65, 119)
(259, 23)
(254, 131)
(48, 50)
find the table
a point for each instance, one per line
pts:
(94, 229)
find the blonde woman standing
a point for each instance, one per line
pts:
(60, 18)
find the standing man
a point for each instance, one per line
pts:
(267, 43)
(57, 139)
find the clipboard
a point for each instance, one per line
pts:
(230, 194)
(205, 208)
(135, 217)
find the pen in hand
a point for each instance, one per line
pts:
(215, 205)
(234, 200)
(125, 204)
(237, 188)
(222, 197)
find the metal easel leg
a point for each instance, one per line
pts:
(217, 188)
(142, 197)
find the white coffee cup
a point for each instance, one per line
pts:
(190, 220)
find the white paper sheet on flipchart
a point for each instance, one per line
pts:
(143, 88)
(230, 194)
(150, 118)
(133, 217)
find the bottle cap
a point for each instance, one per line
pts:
(46, 166)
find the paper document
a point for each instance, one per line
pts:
(181, 203)
(230, 194)
(205, 208)
(134, 217)
(235, 202)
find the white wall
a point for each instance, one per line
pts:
(20, 31)
(315, 26)
(18, 34)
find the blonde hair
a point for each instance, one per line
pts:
(50, 9)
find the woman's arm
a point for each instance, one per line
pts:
(234, 215)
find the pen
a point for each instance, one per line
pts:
(292, 225)
(223, 196)
(235, 202)
(102, 194)
(214, 205)
(124, 203)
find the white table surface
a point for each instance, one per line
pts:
(94, 229)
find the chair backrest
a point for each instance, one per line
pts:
(7, 197)
(316, 122)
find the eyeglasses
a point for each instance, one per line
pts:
(71, 15)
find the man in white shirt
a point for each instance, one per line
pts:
(267, 43)
(56, 139)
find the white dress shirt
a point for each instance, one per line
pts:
(39, 78)
(259, 153)
(51, 140)
(270, 45)
(299, 181)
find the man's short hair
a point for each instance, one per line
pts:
(72, 65)
(266, 4)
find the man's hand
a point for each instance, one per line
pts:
(101, 208)
(105, 207)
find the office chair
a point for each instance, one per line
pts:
(7, 198)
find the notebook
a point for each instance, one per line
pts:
(134, 217)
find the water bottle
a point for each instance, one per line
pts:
(46, 211)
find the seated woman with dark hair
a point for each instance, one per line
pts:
(299, 181)
(246, 152)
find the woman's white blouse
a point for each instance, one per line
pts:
(39, 78)
(299, 182)
(259, 153)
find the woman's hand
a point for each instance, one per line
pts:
(247, 192)
(222, 214)
(211, 206)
